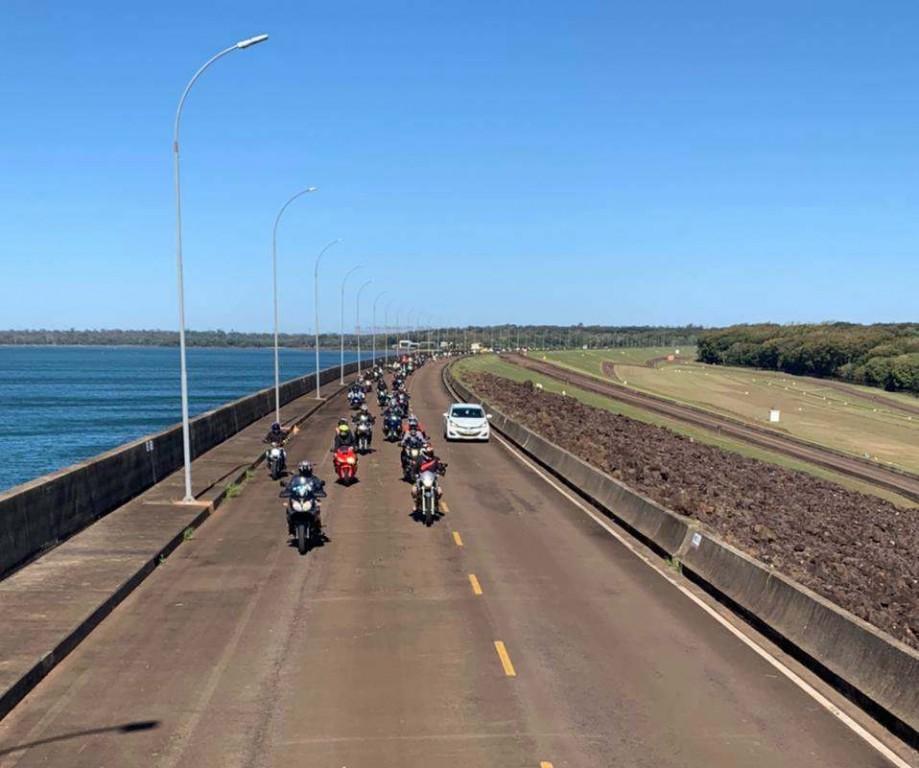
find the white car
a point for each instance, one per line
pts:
(466, 421)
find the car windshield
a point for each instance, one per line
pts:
(467, 412)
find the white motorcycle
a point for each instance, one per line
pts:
(364, 432)
(427, 493)
(276, 457)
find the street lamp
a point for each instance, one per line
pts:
(183, 375)
(316, 306)
(274, 270)
(342, 333)
(357, 315)
(386, 320)
(374, 323)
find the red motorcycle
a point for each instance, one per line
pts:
(345, 462)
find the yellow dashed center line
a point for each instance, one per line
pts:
(444, 507)
(457, 538)
(505, 659)
(476, 587)
(544, 764)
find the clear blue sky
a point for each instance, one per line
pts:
(597, 162)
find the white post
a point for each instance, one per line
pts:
(183, 371)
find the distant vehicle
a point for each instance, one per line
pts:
(466, 421)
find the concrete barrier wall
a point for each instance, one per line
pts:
(40, 513)
(877, 671)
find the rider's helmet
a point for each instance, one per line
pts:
(276, 427)
(365, 409)
(343, 428)
(412, 422)
(305, 469)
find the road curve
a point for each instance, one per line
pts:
(901, 482)
(514, 632)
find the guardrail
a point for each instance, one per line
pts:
(49, 509)
(874, 670)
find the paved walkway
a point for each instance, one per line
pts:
(48, 606)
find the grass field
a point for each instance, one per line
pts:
(809, 408)
(492, 364)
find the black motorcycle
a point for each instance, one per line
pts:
(392, 427)
(303, 496)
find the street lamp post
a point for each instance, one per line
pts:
(357, 316)
(386, 321)
(183, 371)
(374, 323)
(274, 271)
(316, 307)
(342, 333)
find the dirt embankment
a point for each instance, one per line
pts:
(856, 550)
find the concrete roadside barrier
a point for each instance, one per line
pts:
(45, 511)
(873, 669)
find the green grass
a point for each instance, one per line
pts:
(591, 360)
(809, 408)
(498, 367)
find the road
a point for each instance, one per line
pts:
(902, 482)
(514, 632)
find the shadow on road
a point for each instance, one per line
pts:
(418, 517)
(315, 543)
(125, 728)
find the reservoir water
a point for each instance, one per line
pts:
(60, 405)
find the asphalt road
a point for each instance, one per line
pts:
(514, 632)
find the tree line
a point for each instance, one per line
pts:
(458, 337)
(882, 355)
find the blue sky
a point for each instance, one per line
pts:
(596, 162)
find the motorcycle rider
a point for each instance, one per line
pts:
(430, 462)
(344, 437)
(276, 434)
(305, 474)
(412, 439)
(364, 415)
(414, 423)
(317, 487)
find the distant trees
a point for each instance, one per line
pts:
(881, 355)
(508, 335)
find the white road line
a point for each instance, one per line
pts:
(762, 652)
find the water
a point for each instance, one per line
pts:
(60, 405)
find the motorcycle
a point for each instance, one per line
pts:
(426, 493)
(382, 398)
(392, 427)
(356, 399)
(367, 386)
(345, 463)
(303, 511)
(364, 432)
(411, 461)
(276, 457)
